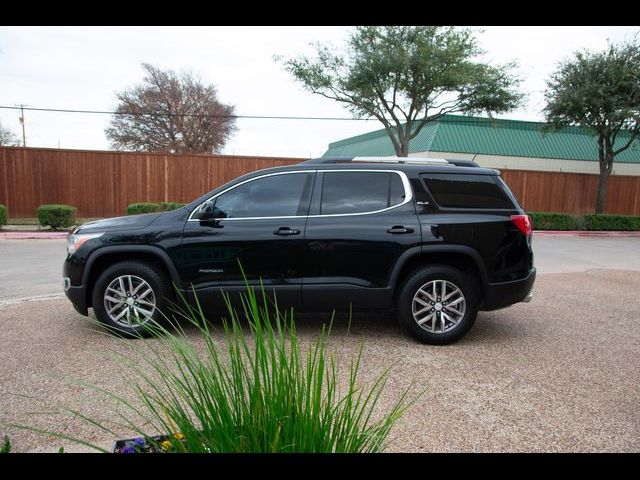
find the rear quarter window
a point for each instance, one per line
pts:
(467, 191)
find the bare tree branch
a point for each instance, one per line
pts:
(192, 120)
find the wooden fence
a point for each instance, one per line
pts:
(102, 184)
(572, 192)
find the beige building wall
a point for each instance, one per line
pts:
(538, 164)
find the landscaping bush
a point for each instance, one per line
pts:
(138, 208)
(3, 215)
(611, 222)
(167, 206)
(553, 221)
(56, 216)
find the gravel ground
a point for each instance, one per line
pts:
(557, 374)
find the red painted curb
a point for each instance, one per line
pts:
(32, 235)
(586, 233)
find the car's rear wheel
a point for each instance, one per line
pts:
(437, 304)
(130, 298)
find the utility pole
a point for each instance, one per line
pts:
(24, 136)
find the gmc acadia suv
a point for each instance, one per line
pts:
(433, 240)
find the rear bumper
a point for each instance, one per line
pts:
(500, 295)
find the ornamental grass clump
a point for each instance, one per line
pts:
(262, 394)
(249, 388)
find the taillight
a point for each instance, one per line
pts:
(523, 222)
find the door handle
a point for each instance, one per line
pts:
(399, 229)
(285, 231)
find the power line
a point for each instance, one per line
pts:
(460, 119)
(159, 114)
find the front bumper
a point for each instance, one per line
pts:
(78, 298)
(72, 283)
(500, 295)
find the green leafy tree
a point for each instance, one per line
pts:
(407, 77)
(599, 91)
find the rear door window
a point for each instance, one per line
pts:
(360, 192)
(467, 191)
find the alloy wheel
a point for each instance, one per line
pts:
(129, 301)
(438, 306)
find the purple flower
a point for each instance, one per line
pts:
(139, 441)
(128, 450)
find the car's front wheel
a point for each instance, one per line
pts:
(130, 298)
(437, 304)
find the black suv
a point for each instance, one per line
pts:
(433, 240)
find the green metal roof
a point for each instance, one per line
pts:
(488, 136)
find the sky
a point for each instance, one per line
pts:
(84, 68)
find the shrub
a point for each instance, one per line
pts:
(553, 221)
(611, 222)
(3, 215)
(166, 206)
(56, 216)
(138, 208)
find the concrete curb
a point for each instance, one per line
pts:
(32, 235)
(585, 233)
(37, 298)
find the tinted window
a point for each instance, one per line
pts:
(359, 192)
(396, 190)
(467, 191)
(274, 196)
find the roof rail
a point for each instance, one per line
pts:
(410, 160)
(327, 160)
(406, 160)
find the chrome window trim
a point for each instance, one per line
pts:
(190, 219)
(408, 193)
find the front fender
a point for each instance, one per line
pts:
(148, 249)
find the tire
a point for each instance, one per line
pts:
(144, 276)
(436, 329)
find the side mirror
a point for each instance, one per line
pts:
(206, 211)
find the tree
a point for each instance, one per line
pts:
(171, 112)
(599, 91)
(407, 77)
(8, 138)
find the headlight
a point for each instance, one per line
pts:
(75, 240)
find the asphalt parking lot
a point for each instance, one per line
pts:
(33, 268)
(557, 374)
